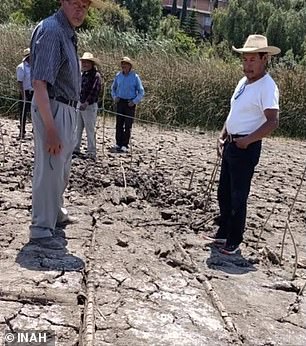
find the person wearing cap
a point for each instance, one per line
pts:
(253, 115)
(56, 79)
(23, 72)
(88, 107)
(127, 91)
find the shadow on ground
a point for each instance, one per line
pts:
(231, 264)
(33, 257)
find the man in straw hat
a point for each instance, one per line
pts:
(23, 72)
(56, 80)
(127, 92)
(253, 116)
(88, 107)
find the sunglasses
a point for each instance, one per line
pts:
(240, 91)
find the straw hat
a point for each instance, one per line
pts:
(96, 3)
(257, 44)
(89, 56)
(26, 52)
(127, 59)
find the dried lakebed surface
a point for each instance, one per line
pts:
(136, 269)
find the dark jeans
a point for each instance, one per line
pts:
(24, 110)
(237, 170)
(124, 124)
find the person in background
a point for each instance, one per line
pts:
(254, 114)
(23, 72)
(127, 91)
(88, 107)
(56, 79)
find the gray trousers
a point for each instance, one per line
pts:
(51, 172)
(87, 119)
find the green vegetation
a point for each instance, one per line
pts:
(283, 21)
(187, 82)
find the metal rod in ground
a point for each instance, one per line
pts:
(191, 179)
(295, 250)
(123, 173)
(290, 212)
(211, 183)
(263, 226)
(103, 122)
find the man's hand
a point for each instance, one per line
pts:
(220, 146)
(53, 143)
(83, 106)
(241, 142)
(131, 104)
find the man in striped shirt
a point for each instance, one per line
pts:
(56, 80)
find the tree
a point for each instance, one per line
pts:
(191, 26)
(295, 32)
(282, 21)
(184, 12)
(7, 7)
(42, 8)
(111, 14)
(174, 8)
(276, 33)
(146, 14)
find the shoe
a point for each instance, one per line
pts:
(117, 147)
(215, 239)
(230, 249)
(124, 149)
(47, 243)
(65, 222)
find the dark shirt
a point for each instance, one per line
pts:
(54, 57)
(91, 86)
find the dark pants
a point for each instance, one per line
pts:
(124, 124)
(237, 170)
(24, 110)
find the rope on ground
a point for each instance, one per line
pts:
(104, 110)
(210, 291)
(88, 335)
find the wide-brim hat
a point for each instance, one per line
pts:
(26, 53)
(89, 56)
(127, 60)
(257, 44)
(96, 3)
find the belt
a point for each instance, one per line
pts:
(61, 99)
(230, 137)
(124, 100)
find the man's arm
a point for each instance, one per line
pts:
(221, 140)
(53, 143)
(114, 90)
(139, 90)
(264, 130)
(21, 90)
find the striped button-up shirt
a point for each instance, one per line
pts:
(91, 86)
(128, 87)
(54, 57)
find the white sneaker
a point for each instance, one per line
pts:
(124, 149)
(117, 147)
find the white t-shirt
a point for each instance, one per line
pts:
(23, 72)
(248, 104)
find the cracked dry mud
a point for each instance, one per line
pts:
(139, 247)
